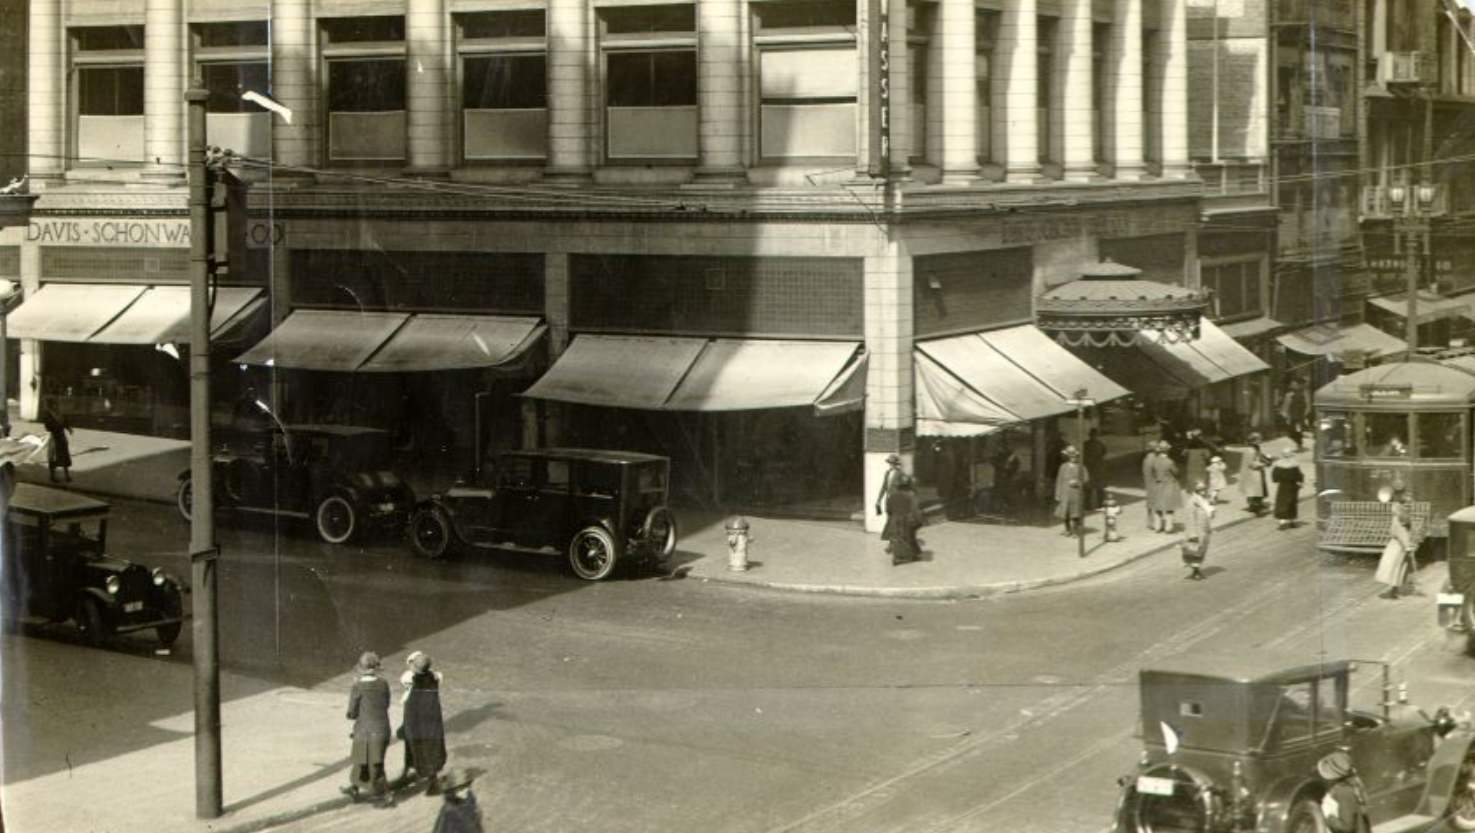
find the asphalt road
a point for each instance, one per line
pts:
(676, 705)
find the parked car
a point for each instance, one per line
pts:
(57, 569)
(601, 508)
(1232, 744)
(337, 476)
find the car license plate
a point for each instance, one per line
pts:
(132, 607)
(1152, 785)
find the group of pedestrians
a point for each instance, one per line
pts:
(422, 728)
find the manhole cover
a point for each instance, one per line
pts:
(591, 743)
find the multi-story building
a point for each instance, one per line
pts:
(698, 228)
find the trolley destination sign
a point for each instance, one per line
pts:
(1377, 392)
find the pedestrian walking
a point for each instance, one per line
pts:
(1294, 407)
(459, 812)
(1094, 456)
(423, 726)
(1393, 565)
(1252, 476)
(1147, 484)
(1343, 804)
(368, 708)
(1288, 479)
(1218, 478)
(1070, 490)
(1197, 530)
(1164, 496)
(59, 452)
(1196, 454)
(888, 481)
(903, 519)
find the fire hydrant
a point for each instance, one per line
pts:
(737, 543)
(1110, 513)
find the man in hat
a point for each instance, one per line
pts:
(1070, 488)
(1252, 475)
(1163, 494)
(368, 708)
(888, 481)
(1343, 805)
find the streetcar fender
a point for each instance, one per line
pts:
(1443, 772)
(1277, 801)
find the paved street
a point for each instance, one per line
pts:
(656, 704)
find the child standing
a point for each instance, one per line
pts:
(1218, 477)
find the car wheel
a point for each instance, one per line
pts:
(185, 498)
(1306, 817)
(593, 554)
(168, 634)
(430, 532)
(95, 630)
(1462, 803)
(659, 532)
(336, 519)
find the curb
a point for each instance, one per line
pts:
(965, 592)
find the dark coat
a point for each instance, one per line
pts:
(1288, 479)
(1070, 483)
(903, 519)
(424, 728)
(59, 453)
(368, 708)
(458, 815)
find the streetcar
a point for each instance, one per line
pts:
(1399, 426)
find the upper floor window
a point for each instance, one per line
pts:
(1044, 83)
(986, 36)
(365, 70)
(650, 82)
(1236, 286)
(504, 85)
(807, 80)
(232, 59)
(107, 94)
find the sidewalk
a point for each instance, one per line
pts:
(962, 559)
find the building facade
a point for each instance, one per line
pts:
(774, 239)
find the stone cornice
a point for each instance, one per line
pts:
(65, 202)
(16, 209)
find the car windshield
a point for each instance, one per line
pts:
(360, 451)
(651, 477)
(82, 536)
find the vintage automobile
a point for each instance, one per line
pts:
(603, 508)
(57, 569)
(337, 476)
(1233, 745)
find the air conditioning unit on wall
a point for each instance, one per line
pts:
(1406, 68)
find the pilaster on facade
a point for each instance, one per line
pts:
(1016, 89)
(46, 101)
(720, 65)
(1171, 66)
(1073, 58)
(294, 83)
(163, 86)
(428, 87)
(890, 397)
(570, 103)
(1124, 66)
(956, 91)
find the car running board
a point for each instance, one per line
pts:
(518, 548)
(261, 510)
(1406, 824)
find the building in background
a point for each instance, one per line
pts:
(677, 227)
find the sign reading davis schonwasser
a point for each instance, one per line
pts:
(86, 232)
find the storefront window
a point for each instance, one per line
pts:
(1441, 436)
(1386, 435)
(1335, 436)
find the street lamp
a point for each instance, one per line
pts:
(1411, 225)
(8, 293)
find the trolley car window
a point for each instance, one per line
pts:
(1386, 435)
(1335, 435)
(1441, 436)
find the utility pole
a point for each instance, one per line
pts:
(203, 551)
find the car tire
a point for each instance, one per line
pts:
(90, 621)
(184, 498)
(430, 532)
(659, 532)
(1462, 803)
(1306, 817)
(168, 634)
(594, 554)
(336, 519)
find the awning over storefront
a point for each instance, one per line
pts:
(1251, 328)
(1211, 358)
(324, 340)
(973, 384)
(693, 374)
(70, 311)
(1324, 340)
(1430, 307)
(452, 342)
(162, 314)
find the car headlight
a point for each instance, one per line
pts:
(159, 577)
(113, 585)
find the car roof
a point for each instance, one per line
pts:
(1251, 667)
(597, 455)
(40, 500)
(334, 430)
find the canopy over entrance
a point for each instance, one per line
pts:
(392, 342)
(1109, 305)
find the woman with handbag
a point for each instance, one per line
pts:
(1393, 565)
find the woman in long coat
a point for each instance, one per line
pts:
(368, 708)
(1392, 565)
(59, 453)
(1252, 476)
(903, 519)
(1070, 490)
(1198, 528)
(1163, 495)
(423, 729)
(1288, 479)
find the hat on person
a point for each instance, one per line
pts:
(1164, 445)
(1070, 451)
(1254, 438)
(368, 661)
(1287, 453)
(893, 459)
(1199, 486)
(418, 661)
(1334, 767)
(1216, 459)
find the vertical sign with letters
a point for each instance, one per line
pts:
(878, 30)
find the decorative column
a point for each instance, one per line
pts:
(46, 98)
(164, 83)
(890, 419)
(1017, 58)
(957, 90)
(1125, 64)
(427, 87)
(719, 90)
(294, 83)
(570, 53)
(1172, 68)
(1073, 70)
(1380, 28)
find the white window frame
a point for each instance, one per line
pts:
(1261, 290)
(347, 52)
(510, 47)
(626, 43)
(93, 59)
(202, 56)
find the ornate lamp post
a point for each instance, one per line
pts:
(1411, 224)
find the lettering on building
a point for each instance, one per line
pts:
(1034, 230)
(110, 232)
